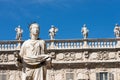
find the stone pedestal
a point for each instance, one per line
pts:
(85, 44)
(19, 45)
(118, 43)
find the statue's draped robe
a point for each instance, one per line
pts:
(30, 49)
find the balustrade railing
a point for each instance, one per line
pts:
(102, 43)
(79, 44)
(65, 44)
(9, 45)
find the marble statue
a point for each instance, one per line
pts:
(19, 33)
(117, 31)
(85, 31)
(52, 32)
(33, 56)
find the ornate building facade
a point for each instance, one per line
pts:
(83, 59)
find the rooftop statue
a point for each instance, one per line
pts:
(84, 31)
(52, 32)
(33, 57)
(117, 31)
(19, 32)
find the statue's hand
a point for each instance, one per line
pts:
(18, 63)
(48, 59)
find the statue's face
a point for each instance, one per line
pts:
(34, 29)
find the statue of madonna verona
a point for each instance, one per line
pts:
(33, 57)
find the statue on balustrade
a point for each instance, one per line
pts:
(52, 32)
(19, 33)
(32, 57)
(84, 31)
(117, 31)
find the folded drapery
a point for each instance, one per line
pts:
(33, 60)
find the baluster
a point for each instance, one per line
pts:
(108, 44)
(72, 43)
(105, 44)
(63, 46)
(111, 44)
(90, 44)
(60, 45)
(96, 44)
(8, 46)
(81, 45)
(68, 44)
(93, 45)
(75, 44)
(101, 43)
(2, 46)
(78, 44)
(57, 45)
(14, 46)
(11, 46)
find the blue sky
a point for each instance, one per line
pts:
(68, 16)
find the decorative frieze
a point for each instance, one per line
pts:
(69, 56)
(86, 55)
(6, 57)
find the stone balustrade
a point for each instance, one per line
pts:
(65, 44)
(102, 43)
(80, 44)
(9, 45)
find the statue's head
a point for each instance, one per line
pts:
(34, 29)
(19, 26)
